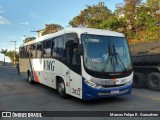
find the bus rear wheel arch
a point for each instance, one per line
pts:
(61, 87)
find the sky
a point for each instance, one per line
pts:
(18, 18)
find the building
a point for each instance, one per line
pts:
(49, 28)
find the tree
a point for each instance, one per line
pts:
(139, 22)
(153, 30)
(4, 52)
(51, 28)
(92, 16)
(10, 54)
(141, 19)
(29, 39)
(130, 11)
(113, 23)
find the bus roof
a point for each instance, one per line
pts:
(78, 31)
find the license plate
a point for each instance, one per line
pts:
(115, 92)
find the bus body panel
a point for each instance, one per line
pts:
(46, 70)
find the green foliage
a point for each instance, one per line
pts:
(4, 52)
(138, 21)
(113, 23)
(10, 54)
(51, 28)
(29, 39)
(92, 16)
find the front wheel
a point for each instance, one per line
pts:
(139, 80)
(61, 88)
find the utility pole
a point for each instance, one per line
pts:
(14, 52)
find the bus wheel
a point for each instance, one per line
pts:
(61, 88)
(30, 80)
(138, 80)
(153, 81)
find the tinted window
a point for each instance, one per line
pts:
(33, 50)
(28, 51)
(59, 46)
(47, 48)
(22, 52)
(39, 50)
(71, 37)
(54, 47)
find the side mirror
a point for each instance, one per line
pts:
(76, 40)
(80, 49)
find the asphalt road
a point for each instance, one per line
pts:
(16, 94)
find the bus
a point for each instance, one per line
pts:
(81, 62)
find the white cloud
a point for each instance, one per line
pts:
(24, 23)
(3, 21)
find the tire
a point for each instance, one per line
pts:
(139, 80)
(61, 88)
(153, 81)
(30, 80)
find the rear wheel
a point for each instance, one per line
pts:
(153, 81)
(139, 80)
(61, 88)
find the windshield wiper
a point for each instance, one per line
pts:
(110, 58)
(116, 55)
(114, 58)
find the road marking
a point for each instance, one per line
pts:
(148, 97)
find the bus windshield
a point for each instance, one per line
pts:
(106, 53)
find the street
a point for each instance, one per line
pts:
(16, 94)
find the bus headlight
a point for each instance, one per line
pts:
(130, 82)
(91, 84)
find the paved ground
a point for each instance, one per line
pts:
(16, 94)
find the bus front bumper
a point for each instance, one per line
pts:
(90, 93)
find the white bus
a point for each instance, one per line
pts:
(81, 62)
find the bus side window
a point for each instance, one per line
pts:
(68, 54)
(59, 47)
(72, 54)
(39, 50)
(33, 51)
(27, 51)
(20, 52)
(54, 48)
(47, 48)
(23, 52)
(75, 56)
(75, 59)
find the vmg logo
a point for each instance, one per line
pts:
(48, 65)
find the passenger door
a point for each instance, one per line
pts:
(74, 64)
